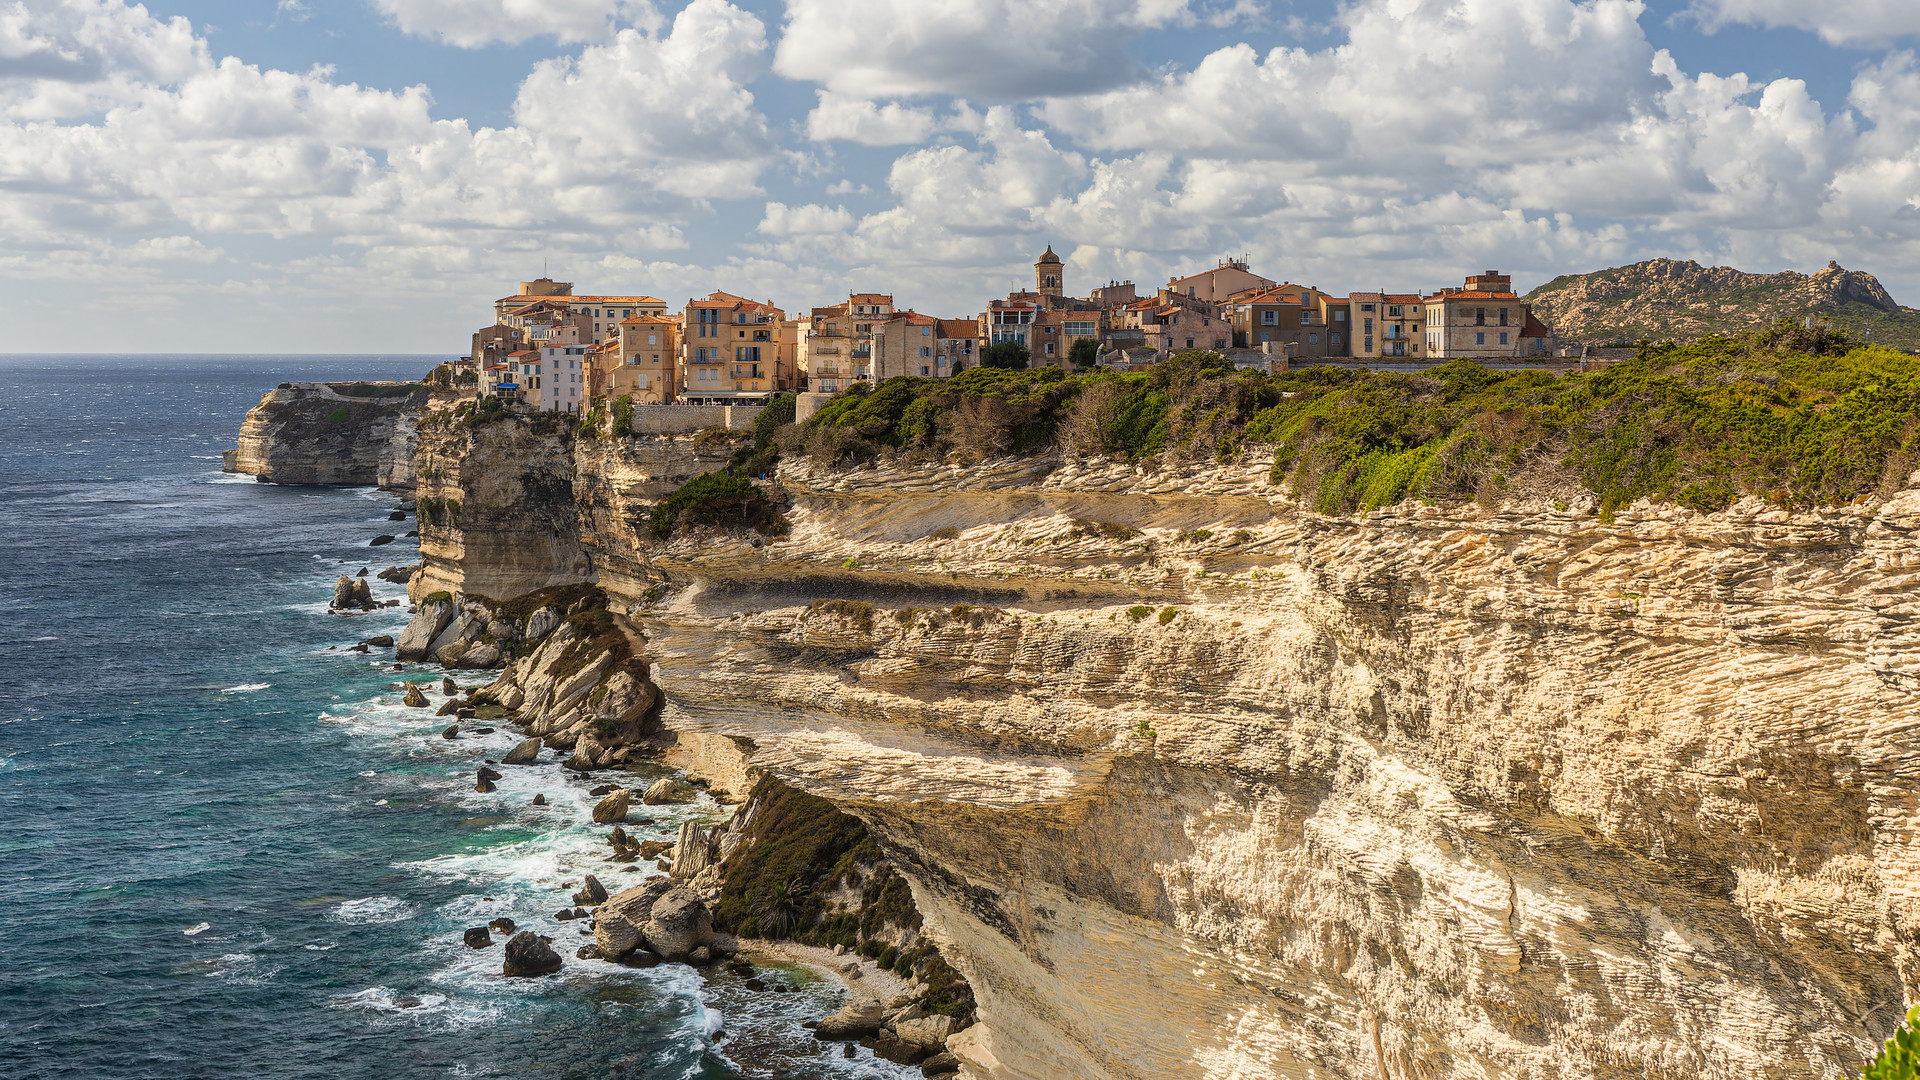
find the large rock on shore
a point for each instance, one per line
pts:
(415, 699)
(426, 624)
(678, 924)
(525, 753)
(856, 1020)
(613, 809)
(668, 790)
(618, 924)
(530, 954)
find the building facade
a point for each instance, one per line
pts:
(729, 346)
(1389, 325)
(1484, 320)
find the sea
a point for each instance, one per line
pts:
(226, 848)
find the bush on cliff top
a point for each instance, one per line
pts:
(1899, 1058)
(715, 498)
(1803, 417)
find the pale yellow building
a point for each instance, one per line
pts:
(644, 362)
(599, 315)
(1484, 320)
(729, 348)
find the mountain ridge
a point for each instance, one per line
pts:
(1683, 300)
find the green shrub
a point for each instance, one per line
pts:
(339, 416)
(623, 415)
(858, 612)
(1167, 615)
(1899, 1059)
(1138, 612)
(716, 498)
(1084, 353)
(1005, 355)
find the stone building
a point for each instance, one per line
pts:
(1388, 325)
(1484, 320)
(728, 348)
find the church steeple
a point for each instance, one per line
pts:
(1047, 277)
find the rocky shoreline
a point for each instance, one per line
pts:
(573, 677)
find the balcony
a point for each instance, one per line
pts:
(862, 352)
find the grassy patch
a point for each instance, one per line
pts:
(858, 612)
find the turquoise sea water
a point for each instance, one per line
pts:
(185, 742)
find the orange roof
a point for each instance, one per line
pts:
(957, 328)
(870, 298)
(1474, 294)
(655, 320)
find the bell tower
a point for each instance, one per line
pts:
(1047, 278)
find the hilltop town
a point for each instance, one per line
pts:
(560, 351)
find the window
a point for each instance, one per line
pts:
(1367, 325)
(653, 339)
(924, 370)
(1269, 318)
(1480, 339)
(1339, 316)
(1480, 316)
(1306, 317)
(1333, 339)
(1393, 310)
(926, 350)
(1503, 319)
(1313, 339)
(1368, 347)
(1050, 348)
(1503, 337)
(925, 331)
(1189, 343)
(1366, 307)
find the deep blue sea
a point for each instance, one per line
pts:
(226, 850)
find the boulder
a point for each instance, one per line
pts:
(502, 925)
(669, 790)
(488, 774)
(588, 754)
(701, 956)
(618, 923)
(541, 623)
(592, 892)
(449, 708)
(447, 687)
(380, 541)
(361, 596)
(678, 924)
(477, 937)
(929, 1032)
(530, 954)
(483, 785)
(415, 699)
(428, 621)
(399, 575)
(603, 789)
(452, 731)
(856, 1020)
(941, 1064)
(539, 800)
(693, 850)
(383, 641)
(612, 809)
(479, 656)
(525, 753)
(343, 592)
(888, 1048)
(397, 515)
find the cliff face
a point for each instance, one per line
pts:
(331, 433)
(1662, 298)
(1191, 783)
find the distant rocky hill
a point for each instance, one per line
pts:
(1661, 299)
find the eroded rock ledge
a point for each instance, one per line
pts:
(1190, 783)
(331, 433)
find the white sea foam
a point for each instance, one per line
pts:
(373, 910)
(246, 688)
(196, 931)
(328, 947)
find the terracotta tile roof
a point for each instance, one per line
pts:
(871, 298)
(956, 328)
(1475, 294)
(1534, 327)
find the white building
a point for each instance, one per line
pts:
(558, 380)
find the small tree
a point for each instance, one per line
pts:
(1085, 353)
(1008, 355)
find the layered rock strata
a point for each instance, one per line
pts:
(1192, 783)
(331, 433)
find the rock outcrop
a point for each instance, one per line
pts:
(530, 954)
(1665, 298)
(331, 433)
(1436, 792)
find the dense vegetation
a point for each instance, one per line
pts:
(719, 499)
(1802, 417)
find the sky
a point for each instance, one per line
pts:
(369, 175)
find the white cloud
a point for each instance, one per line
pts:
(1838, 22)
(868, 123)
(471, 24)
(810, 220)
(996, 49)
